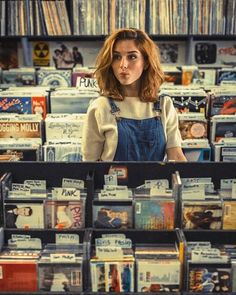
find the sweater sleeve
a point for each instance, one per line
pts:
(99, 132)
(92, 139)
(171, 124)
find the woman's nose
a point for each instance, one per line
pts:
(123, 63)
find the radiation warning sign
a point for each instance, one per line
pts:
(41, 54)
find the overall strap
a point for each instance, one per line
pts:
(114, 108)
(158, 104)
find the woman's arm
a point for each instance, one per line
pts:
(176, 154)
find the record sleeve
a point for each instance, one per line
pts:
(158, 275)
(60, 277)
(113, 215)
(229, 214)
(154, 214)
(24, 215)
(18, 275)
(116, 276)
(65, 214)
(207, 278)
(204, 215)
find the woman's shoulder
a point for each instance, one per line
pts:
(100, 101)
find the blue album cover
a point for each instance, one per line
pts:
(19, 105)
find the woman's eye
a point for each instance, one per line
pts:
(116, 57)
(132, 56)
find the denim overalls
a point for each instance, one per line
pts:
(139, 140)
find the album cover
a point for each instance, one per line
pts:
(63, 277)
(23, 105)
(192, 127)
(64, 126)
(16, 126)
(55, 78)
(197, 154)
(18, 154)
(173, 75)
(226, 75)
(110, 215)
(24, 215)
(62, 152)
(225, 129)
(18, 276)
(208, 278)
(116, 276)
(65, 214)
(222, 104)
(8, 54)
(154, 214)
(19, 77)
(190, 74)
(229, 214)
(70, 101)
(228, 153)
(158, 275)
(204, 215)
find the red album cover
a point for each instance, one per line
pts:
(20, 276)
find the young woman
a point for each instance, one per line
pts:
(129, 122)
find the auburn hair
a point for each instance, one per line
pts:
(152, 76)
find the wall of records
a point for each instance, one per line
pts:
(53, 45)
(134, 227)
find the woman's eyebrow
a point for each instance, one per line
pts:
(133, 51)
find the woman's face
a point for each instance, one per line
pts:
(128, 63)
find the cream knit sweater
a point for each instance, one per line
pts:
(100, 133)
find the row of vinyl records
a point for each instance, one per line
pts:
(100, 17)
(117, 262)
(62, 77)
(151, 206)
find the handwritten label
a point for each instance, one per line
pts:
(226, 183)
(113, 242)
(111, 252)
(160, 184)
(66, 193)
(87, 84)
(72, 183)
(62, 257)
(34, 243)
(16, 237)
(67, 239)
(117, 195)
(35, 184)
(193, 191)
(110, 179)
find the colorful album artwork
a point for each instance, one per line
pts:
(204, 216)
(112, 216)
(64, 214)
(154, 214)
(207, 279)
